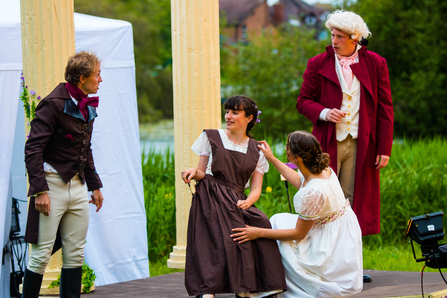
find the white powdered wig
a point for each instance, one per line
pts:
(348, 22)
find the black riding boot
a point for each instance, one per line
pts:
(31, 284)
(71, 283)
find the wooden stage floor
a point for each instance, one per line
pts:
(384, 284)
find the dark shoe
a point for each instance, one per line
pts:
(273, 296)
(367, 278)
(31, 284)
(71, 283)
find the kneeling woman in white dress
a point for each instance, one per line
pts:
(321, 246)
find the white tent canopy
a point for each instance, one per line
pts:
(117, 239)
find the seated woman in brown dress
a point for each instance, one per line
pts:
(214, 262)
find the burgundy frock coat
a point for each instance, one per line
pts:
(321, 89)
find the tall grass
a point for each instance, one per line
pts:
(159, 201)
(414, 183)
(393, 258)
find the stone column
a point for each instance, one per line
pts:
(196, 79)
(48, 40)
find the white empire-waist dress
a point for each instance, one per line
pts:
(328, 262)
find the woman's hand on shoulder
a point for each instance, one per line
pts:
(188, 174)
(248, 233)
(265, 148)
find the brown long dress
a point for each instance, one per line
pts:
(214, 262)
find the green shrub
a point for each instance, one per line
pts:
(88, 279)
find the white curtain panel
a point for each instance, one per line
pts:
(8, 113)
(10, 66)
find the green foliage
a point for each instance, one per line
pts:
(29, 101)
(159, 201)
(151, 22)
(88, 278)
(270, 71)
(55, 283)
(411, 36)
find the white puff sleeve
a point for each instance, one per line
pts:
(310, 203)
(202, 145)
(263, 165)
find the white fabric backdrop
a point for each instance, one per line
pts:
(120, 168)
(8, 114)
(10, 66)
(117, 239)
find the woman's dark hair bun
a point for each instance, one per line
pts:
(306, 146)
(323, 161)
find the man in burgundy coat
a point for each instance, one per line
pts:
(346, 94)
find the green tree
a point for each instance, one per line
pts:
(410, 34)
(270, 71)
(151, 23)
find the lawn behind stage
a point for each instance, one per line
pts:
(413, 183)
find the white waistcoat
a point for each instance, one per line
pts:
(350, 105)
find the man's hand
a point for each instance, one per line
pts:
(335, 115)
(382, 161)
(43, 203)
(97, 199)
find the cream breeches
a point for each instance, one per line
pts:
(70, 213)
(346, 155)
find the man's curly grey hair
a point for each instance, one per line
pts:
(348, 22)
